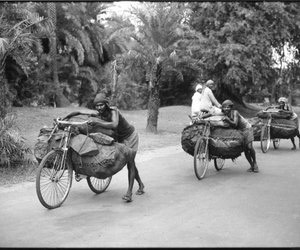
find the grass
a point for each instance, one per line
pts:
(171, 122)
(30, 120)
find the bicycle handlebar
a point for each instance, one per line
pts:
(69, 123)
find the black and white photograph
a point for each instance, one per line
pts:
(143, 124)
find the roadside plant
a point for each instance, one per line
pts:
(13, 149)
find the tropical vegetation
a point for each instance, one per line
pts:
(58, 53)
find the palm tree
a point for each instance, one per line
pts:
(17, 41)
(86, 44)
(160, 30)
(58, 97)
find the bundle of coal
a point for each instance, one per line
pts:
(96, 165)
(257, 124)
(46, 141)
(223, 142)
(189, 137)
(226, 143)
(283, 128)
(275, 114)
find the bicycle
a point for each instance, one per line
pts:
(55, 172)
(202, 156)
(265, 137)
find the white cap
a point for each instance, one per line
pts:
(283, 99)
(199, 86)
(210, 82)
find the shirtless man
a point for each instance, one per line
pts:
(236, 120)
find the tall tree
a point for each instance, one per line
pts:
(237, 40)
(160, 28)
(19, 26)
(86, 43)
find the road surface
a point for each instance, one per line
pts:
(230, 208)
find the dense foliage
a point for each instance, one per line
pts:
(72, 50)
(237, 39)
(230, 42)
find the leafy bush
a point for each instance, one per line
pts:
(13, 150)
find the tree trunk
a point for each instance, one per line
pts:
(60, 100)
(5, 102)
(154, 100)
(153, 106)
(114, 100)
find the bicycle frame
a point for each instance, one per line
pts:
(64, 144)
(206, 133)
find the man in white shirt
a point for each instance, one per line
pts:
(208, 102)
(195, 109)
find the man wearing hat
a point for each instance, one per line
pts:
(236, 120)
(106, 117)
(285, 107)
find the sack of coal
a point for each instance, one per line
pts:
(223, 142)
(46, 141)
(275, 113)
(226, 143)
(283, 128)
(95, 165)
(257, 124)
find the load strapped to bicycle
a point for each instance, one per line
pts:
(66, 147)
(276, 125)
(211, 138)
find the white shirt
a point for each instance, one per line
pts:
(195, 109)
(208, 100)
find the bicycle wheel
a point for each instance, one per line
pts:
(53, 179)
(265, 138)
(200, 158)
(219, 163)
(98, 186)
(276, 143)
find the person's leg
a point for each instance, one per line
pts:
(133, 142)
(253, 156)
(138, 179)
(249, 150)
(131, 175)
(293, 142)
(249, 159)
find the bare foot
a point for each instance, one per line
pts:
(127, 198)
(140, 190)
(255, 168)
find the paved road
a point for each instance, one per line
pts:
(231, 208)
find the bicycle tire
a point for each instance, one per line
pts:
(265, 138)
(97, 185)
(219, 163)
(53, 181)
(200, 158)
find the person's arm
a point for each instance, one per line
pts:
(105, 124)
(286, 111)
(79, 113)
(273, 107)
(232, 122)
(206, 115)
(213, 99)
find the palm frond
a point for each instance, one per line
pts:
(12, 145)
(4, 43)
(75, 65)
(74, 43)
